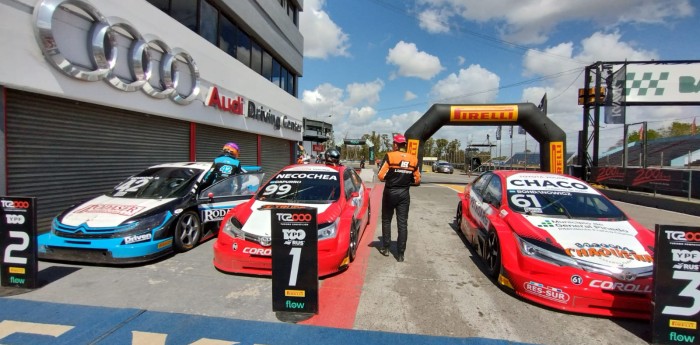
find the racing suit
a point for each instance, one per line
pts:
(224, 166)
(398, 171)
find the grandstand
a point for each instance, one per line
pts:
(664, 152)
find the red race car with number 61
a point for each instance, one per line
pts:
(557, 241)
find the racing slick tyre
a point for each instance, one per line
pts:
(492, 254)
(458, 216)
(188, 231)
(354, 241)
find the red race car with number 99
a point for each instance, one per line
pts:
(557, 241)
(343, 213)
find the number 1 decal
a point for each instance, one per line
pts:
(294, 273)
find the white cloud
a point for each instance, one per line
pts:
(473, 84)
(413, 63)
(530, 22)
(408, 96)
(364, 92)
(562, 92)
(461, 60)
(322, 36)
(433, 21)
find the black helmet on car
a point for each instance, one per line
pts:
(332, 156)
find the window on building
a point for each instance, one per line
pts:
(185, 12)
(256, 57)
(163, 5)
(275, 72)
(208, 19)
(243, 47)
(291, 84)
(267, 66)
(227, 35)
(283, 77)
(293, 12)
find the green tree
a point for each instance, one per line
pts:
(676, 129)
(441, 145)
(428, 147)
(651, 135)
(453, 148)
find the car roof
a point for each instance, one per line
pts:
(194, 165)
(314, 167)
(509, 173)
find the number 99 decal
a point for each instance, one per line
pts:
(279, 189)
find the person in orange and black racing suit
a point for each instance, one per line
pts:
(398, 170)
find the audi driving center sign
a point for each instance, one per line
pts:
(676, 285)
(18, 263)
(294, 260)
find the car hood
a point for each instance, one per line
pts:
(106, 211)
(260, 221)
(608, 243)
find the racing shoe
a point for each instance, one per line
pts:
(399, 257)
(384, 251)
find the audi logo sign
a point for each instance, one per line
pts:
(106, 52)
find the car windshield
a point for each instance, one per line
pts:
(157, 183)
(314, 187)
(444, 164)
(558, 195)
(566, 204)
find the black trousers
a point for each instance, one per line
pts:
(398, 199)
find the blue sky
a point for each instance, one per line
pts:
(378, 65)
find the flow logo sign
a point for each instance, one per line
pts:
(18, 251)
(676, 285)
(294, 260)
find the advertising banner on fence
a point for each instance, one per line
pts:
(676, 285)
(294, 260)
(18, 251)
(651, 179)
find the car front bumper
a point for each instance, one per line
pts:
(240, 256)
(100, 251)
(572, 289)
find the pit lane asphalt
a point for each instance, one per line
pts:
(438, 295)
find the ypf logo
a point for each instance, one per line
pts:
(294, 217)
(292, 234)
(15, 204)
(14, 219)
(683, 236)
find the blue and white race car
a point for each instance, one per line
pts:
(165, 208)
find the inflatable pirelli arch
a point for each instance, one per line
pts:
(551, 138)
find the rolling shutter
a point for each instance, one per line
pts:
(276, 154)
(211, 139)
(62, 151)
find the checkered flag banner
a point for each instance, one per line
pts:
(498, 133)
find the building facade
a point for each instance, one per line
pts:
(94, 91)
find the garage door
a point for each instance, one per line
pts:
(63, 151)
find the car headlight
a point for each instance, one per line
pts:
(233, 228)
(536, 251)
(145, 224)
(328, 230)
